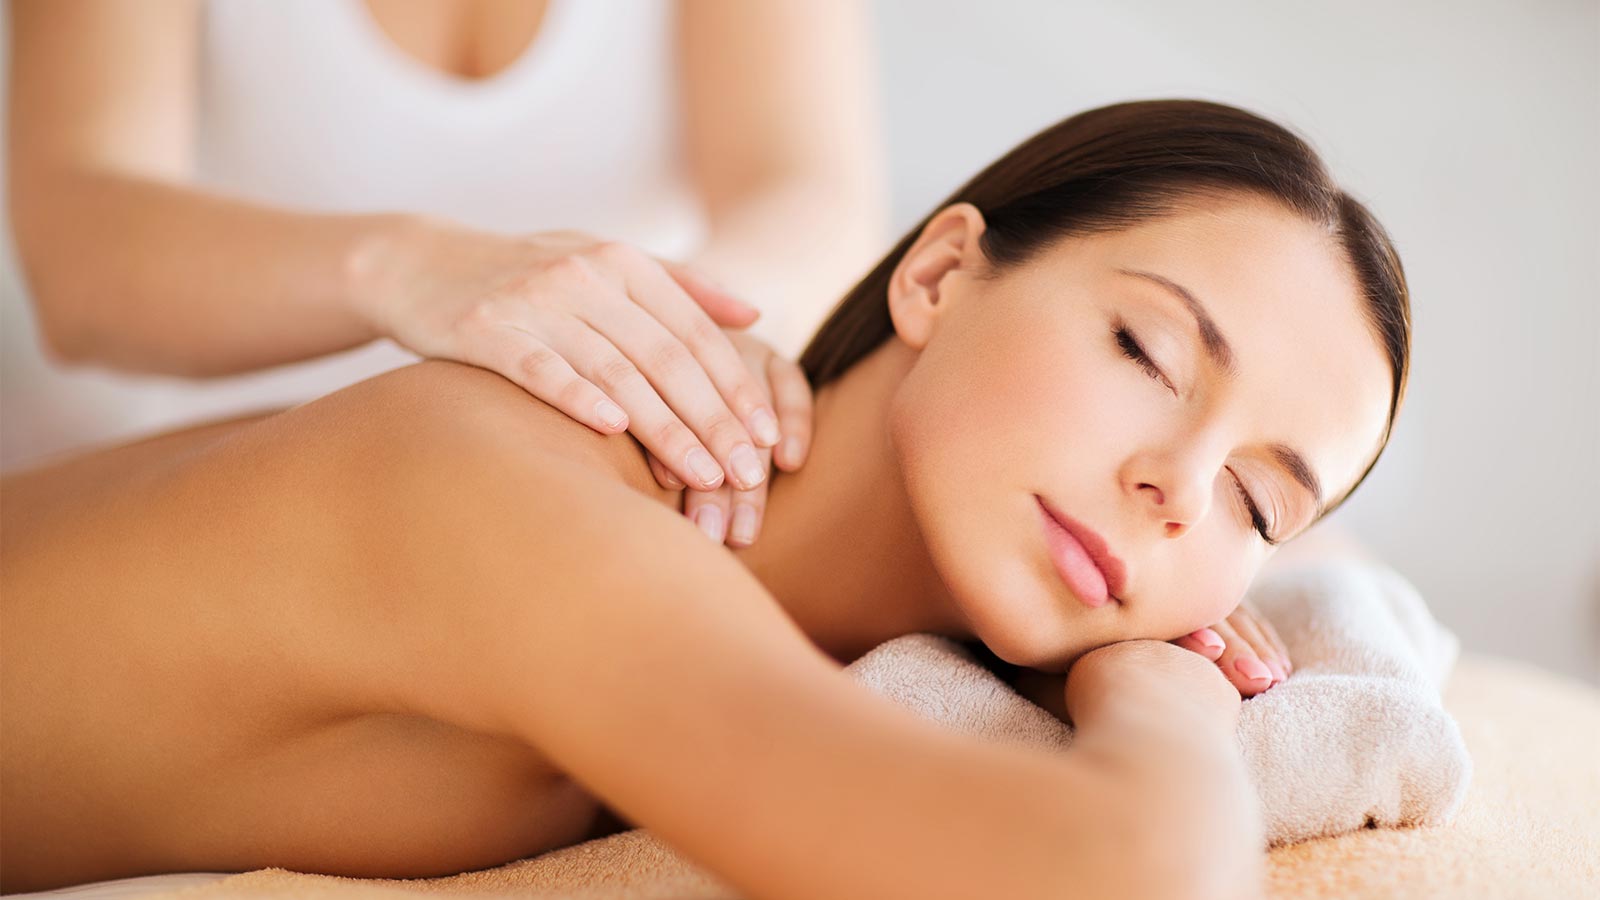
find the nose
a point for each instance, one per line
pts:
(1175, 490)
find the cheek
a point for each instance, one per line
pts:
(1209, 579)
(1051, 403)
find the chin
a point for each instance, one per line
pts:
(1017, 622)
(997, 588)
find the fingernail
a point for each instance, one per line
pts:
(791, 450)
(765, 426)
(709, 518)
(744, 523)
(746, 466)
(704, 467)
(672, 480)
(610, 413)
(1252, 669)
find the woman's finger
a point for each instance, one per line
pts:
(676, 376)
(655, 425)
(1244, 622)
(724, 308)
(709, 511)
(749, 509)
(664, 476)
(1205, 642)
(1240, 664)
(650, 287)
(791, 395)
(543, 372)
(1272, 636)
(741, 510)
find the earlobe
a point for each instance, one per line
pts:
(918, 292)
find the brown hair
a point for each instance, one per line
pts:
(1116, 166)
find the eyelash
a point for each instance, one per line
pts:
(1132, 349)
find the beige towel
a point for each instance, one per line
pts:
(1358, 734)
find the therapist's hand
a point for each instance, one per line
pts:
(733, 516)
(613, 337)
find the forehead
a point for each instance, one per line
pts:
(1310, 369)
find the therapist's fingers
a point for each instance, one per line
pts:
(543, 371)
(562, 360)
(791, 395)
(728, 311)
(691, 402)
(734, 514)
(654, 291)
(664, 476)
(710, 511)
(737, 513)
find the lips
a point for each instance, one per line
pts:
(1082, 558)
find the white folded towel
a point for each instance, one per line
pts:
(1356, 737)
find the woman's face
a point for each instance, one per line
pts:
(1023, 395)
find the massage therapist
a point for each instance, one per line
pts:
(222, 207)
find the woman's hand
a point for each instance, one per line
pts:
(1246, 648)
(735, 515)
(609, 335)
(1149, 678)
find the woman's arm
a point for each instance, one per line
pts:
(129, 267)
(782, 137)
(132, 267)
(665, 680)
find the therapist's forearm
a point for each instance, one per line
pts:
(792, 247)
(146, 275)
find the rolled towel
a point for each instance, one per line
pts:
(1356, 737)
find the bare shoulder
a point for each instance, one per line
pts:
(445, 404)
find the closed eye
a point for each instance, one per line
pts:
(1256, 519)
(1132, 349)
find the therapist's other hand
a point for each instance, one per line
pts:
(1246, 648)
(733, 516)
(601, 330)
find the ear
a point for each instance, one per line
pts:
(918, 290)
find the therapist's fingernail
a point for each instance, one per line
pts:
(747, 468)
(791, 451)
(765, 426)
(709, 518)
(704, 467)
(611, 414)
(744, 523)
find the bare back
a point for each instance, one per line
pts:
(148, 721)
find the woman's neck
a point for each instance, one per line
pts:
(839, 546)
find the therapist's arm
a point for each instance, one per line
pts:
(781, 134)
(127, 265)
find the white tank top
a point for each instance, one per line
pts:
(308, 105)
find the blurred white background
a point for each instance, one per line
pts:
(1472, 129)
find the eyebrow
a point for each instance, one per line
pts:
(1221, 353)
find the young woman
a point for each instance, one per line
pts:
(428, 624)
